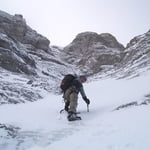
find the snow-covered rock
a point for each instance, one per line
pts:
(136, 57)
(90, 51)
(16, 28)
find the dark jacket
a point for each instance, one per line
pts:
(79, 87)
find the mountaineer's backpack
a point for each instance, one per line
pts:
(67, 82)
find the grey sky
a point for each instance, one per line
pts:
(61, 20)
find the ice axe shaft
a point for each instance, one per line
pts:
(88, 108)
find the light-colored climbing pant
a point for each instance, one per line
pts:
(72, 97)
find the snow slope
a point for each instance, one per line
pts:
(39, 126)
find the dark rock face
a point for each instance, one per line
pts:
(91, 51)
(16, 93)
(138, 47)
(146, 101)
(16, 28)
(17, 43)
(90, 38)
(13, 59)
(136, 56)
(26, 56)
(15, 40)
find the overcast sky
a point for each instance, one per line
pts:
(61, 20)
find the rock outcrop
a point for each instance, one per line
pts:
(91, 51)
(136, 56)
(16, 38)
(16, 28)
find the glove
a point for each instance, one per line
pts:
(86, 100)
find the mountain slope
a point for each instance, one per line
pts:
(31, 70)
(39, 125)
(136, 56)
(26, 56)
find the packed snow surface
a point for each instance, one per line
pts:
(42, 127)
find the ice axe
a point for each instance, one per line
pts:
(88, 108)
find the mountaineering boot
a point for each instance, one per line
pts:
(73, 116)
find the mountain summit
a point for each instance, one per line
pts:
(90, 51)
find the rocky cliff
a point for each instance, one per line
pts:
(27, 63)
(136, 56)
(92, 52)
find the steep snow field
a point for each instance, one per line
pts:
(42, 127)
